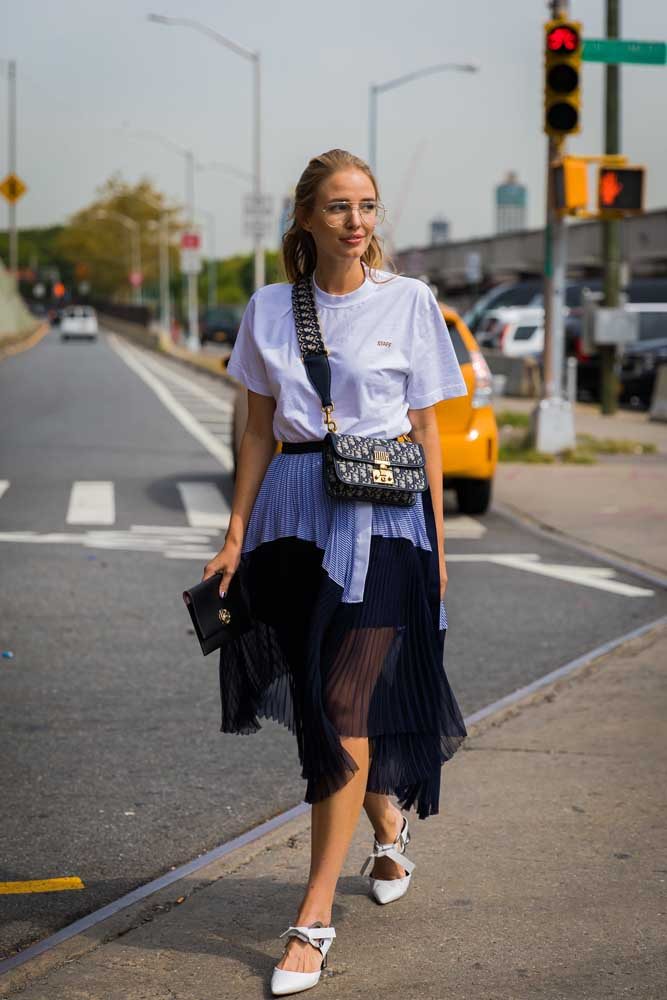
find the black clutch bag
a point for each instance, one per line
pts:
(217, 620)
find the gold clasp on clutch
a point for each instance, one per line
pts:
(224, 615)
(382, 472)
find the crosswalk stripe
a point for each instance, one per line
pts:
(205, 506)
(91, 502)
(4, 486)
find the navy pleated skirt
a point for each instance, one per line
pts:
(347, 636)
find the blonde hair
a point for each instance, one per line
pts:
(299, 253)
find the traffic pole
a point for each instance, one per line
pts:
(260, 276)
(552, 419)
(611, 228)
(11, 143)
(193, 278)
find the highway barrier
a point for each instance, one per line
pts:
(521, 375)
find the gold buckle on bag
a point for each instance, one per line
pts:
(329, 421)
(382, 472)
(225, 616)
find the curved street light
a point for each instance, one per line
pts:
(254, 58)
(135, 247)
(379, 88)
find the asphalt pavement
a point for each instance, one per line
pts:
(116, 765)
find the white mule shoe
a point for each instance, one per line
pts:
(283, 981)
(385, 890)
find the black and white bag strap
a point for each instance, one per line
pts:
(311, 345)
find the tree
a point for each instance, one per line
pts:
(99, 248)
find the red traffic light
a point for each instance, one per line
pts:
(563, 39)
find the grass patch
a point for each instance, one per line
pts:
(615, 446)
(510, 418)
(517, 447)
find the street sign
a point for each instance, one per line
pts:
(13, 188)
(619, 50)
(257, 214)
(191, 240)
(191, 252)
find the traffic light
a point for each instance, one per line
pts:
(570, 186)
(562, 77)
(620, 191)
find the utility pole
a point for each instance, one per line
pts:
(611, 228)
(11, 137)
(552, 418)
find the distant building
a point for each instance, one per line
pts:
(439, 232)
(511, 200)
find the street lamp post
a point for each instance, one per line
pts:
(135, 247)
(379, 88)
(254, 58)
(163, 227)
(192, 289)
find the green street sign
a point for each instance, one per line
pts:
(618, 50)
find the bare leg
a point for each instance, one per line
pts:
(387, 822)
(334, 821)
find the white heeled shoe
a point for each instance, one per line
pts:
(283, 981)
(385, 890)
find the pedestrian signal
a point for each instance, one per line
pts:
(563, 46)
(620, 191)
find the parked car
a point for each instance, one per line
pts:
(516, 331)
(466, 424)
(221, 324)
(78, 321)
(640, 361)
(516, 293)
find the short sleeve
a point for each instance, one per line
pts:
(245, 362)
(435, 372)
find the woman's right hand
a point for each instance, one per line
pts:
(226, 562)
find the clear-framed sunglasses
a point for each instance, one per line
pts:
(371, 212)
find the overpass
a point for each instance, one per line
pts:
(511, 256)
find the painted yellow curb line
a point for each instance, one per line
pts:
(41, 885)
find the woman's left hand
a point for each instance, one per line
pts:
(443, 577)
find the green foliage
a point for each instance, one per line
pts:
(98, 249)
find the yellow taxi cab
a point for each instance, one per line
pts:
(466, 424)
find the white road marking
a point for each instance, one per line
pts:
(190, 387)
(219, 449)
(598, 577)
(91, 502)
(4, 486)
(195, 543)
(205, 506)
(462, 526)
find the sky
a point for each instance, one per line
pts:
(92, 74)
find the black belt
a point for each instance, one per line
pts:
(295, 447)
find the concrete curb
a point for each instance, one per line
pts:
(651, 574)
(165, 899)
(18, 342)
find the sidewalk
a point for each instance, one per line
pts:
(616, 506)
(543, 877)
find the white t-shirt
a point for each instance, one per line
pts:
(389, 350)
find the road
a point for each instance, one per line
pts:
(113, 766)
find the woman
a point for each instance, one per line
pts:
(346, 598)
